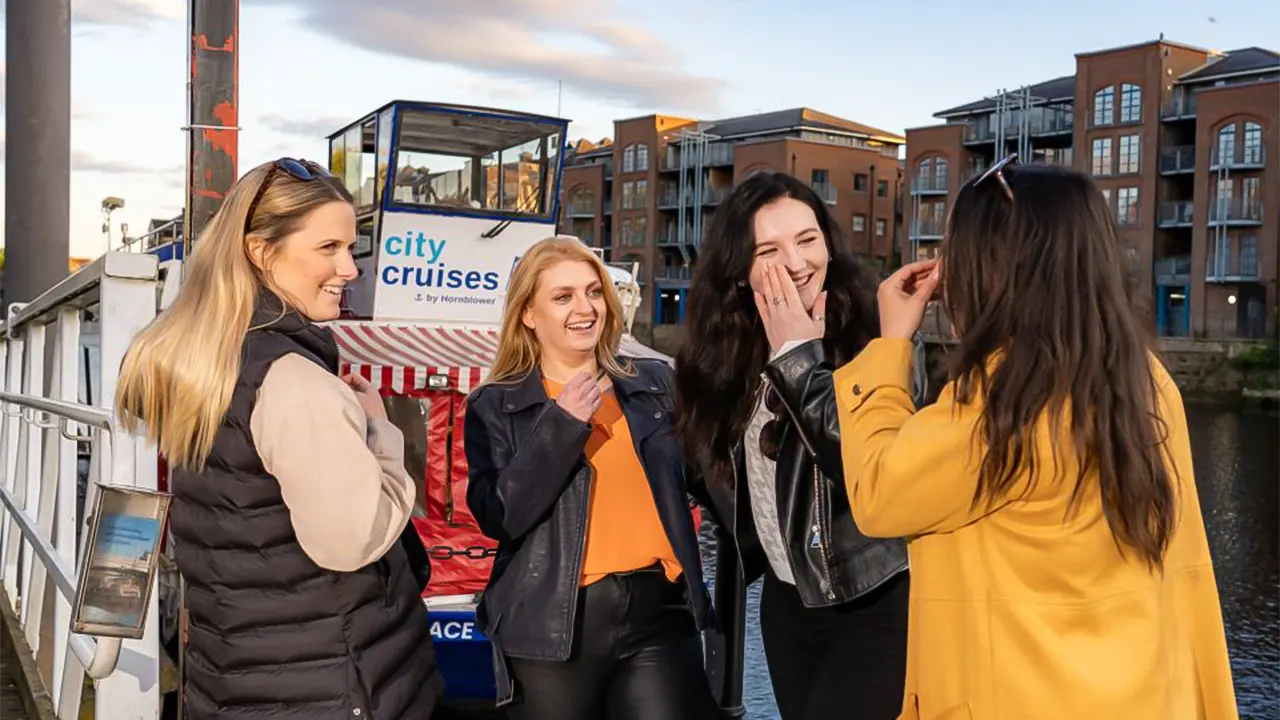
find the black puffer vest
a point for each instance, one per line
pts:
(272, 634)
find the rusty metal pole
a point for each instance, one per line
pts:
(37, 227)
(213, 110)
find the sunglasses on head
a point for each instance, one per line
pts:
(770, 433)
(997, 171)
(303, 170)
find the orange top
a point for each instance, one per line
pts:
(624, 531)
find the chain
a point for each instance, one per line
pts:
(475, 552)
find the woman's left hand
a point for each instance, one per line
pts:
(783, 313)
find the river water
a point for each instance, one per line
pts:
(1237, 462)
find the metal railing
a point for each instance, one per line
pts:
(1235, 210)
(826, 192)
(42, 521)
(928, 184)
(1169, 268)
(1182, 104)
(1239, 157)
(1176, 213)
(1178, 159)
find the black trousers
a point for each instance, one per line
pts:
(637, 655)
(847, 661)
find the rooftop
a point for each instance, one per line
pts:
(1061, 89)
(1235, 62)
(793, 118)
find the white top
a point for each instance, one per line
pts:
(762, 484)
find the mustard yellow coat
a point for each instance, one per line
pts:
(1021, 611)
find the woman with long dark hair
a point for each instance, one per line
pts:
(776, 303)
(1059, 562)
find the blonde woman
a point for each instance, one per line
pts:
(290, 492)
(596, 599)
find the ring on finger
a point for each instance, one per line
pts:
(777, 300)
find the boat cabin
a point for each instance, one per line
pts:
(447, 199)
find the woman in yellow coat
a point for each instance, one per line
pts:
(1066, 575)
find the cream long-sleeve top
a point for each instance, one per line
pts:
(341, 473)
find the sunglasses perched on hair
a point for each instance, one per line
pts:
(997, 171)
(303, 170)
(771, 432)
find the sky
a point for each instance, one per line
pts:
(309, 67)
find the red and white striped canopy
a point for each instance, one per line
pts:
(403, 357)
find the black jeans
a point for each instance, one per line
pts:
(847, 661)
(637, 655)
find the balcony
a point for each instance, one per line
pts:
(1235, 211)
(1176, 214)
(929, 185)
(1235, 259)
(1173, 270)
(710, 196)
(1238, 158)
(1181, 159)
(581, 209)
(674, 272)
(1181, 106)
(826, 192)
(928, 229)
(715, 156)
(1046, 122)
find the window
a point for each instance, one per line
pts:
(638, 236)
(819, 177)
(629, 159)
(1104, 106)
(628, 195)
(639, 265)
(626, 232)
(641, 198)
(879, 228)
(1249, 255)
(882, 188)
(1102, 156)
(859, 223)
(1130, 103)
(859, 182)
(1225, 152)
(1106, 196)
(940, 172)
(642, 158)
(1127, 206)
(1129, 154)
(1252, 144)
(1250, 199)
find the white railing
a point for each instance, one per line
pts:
(43, 424)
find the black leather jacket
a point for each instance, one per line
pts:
(528, 489)
(831, 560)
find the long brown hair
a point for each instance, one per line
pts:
(1038, 284)
(518, 349)
(178, 375)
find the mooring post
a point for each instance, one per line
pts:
(37, 220)
(213, 110)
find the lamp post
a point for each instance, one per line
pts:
(109, 205)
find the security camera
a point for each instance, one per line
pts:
(112, 203)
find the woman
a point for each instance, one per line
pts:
(776, 303)
(289, 487)
(1067, 576)
(596, 599)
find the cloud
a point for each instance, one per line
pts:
(543, 40)
(82, 161)
(314, 128)
(129, 13)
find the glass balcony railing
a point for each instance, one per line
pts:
(581, 208)
(1238, 158)
(928, 228)
(928, 184)
(1181, 105)
(1237, 211)
(1176, 214)
(1178, 159)
(826, 192)
(1170, 269)
(1232, 262)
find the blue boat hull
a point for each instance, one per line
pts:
(464, 655)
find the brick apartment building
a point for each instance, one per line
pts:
(647, 197)
(1184, 143)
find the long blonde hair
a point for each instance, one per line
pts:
(518, 349)
(179, 374)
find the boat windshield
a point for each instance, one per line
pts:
(465, 162)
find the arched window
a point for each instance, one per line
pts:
(1224, 153)
(1252, 144)
(1130, 103)
(1104, 106)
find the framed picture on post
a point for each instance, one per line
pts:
(119, 568)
